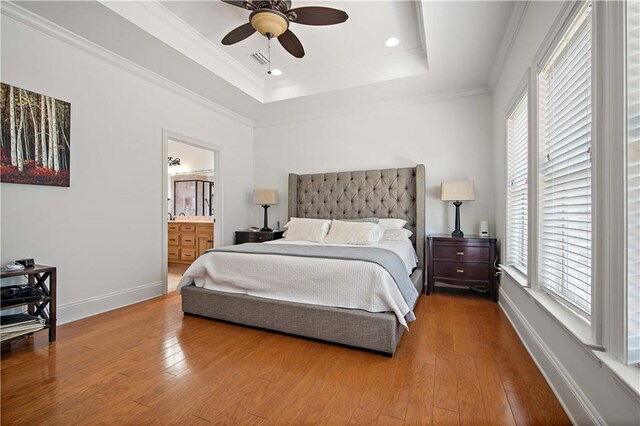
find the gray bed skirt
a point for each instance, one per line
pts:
(354, 327)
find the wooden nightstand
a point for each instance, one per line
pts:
(257, 237)
(465, 262)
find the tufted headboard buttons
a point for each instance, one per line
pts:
(389, 193)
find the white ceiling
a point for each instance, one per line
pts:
(338, 56)
(327, 48)
(446, 46)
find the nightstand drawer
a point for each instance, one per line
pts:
(191, 227)
(461, 253)
(461, 271)
(256, 238)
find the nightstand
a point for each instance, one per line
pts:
(465, 262)
(257, 236)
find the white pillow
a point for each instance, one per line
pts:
(396, 235)
(357, 233)
(390, 223)
(314, 230)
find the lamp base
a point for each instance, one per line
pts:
(265, 228)
(457, 233)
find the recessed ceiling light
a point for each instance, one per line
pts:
(392, 42)
(276, 72)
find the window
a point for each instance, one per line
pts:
(633, 181)
(517, 181)
(564, 167)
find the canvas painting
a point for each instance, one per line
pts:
(35, 135)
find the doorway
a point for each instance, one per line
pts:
(191, 204)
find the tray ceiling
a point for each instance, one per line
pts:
(444, 47)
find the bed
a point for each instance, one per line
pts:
(389, 193)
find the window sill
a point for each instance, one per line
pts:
(628, 376)
(571, 322)
(515, 275)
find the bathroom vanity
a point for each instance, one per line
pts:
(188, 239)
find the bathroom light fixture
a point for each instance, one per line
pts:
(392, 42)
(457, 191)
(174, 161)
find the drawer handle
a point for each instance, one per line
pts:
(460, 253)
(460, 270)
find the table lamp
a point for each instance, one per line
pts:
(265, 198)
(457, 191)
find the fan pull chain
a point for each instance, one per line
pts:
(269, 53)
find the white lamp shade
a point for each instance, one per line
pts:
(265, 196)
(461, 190)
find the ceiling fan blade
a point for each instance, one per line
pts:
(315, 15)
(291, 43)
(239, 34)
(238, 3)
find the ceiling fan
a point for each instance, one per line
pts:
(271, 18)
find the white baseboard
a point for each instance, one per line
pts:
(107, 302)
(573, 400)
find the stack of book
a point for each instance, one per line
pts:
(19, 324)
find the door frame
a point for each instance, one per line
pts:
(218, 204)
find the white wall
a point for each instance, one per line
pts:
(453, 138)
(192, 158)
(104, 232)
(587, 389)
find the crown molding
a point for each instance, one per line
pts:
(421, 7)
(163, 24)
(387, 105)
(26, 17)
(355, 73)
(510, 34)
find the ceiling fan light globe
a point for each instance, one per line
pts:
(269, 23)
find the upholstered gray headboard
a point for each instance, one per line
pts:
(397, 193)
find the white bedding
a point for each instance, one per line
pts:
(318, 281)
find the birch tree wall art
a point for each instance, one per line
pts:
(35, 135)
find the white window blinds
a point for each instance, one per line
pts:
(517, 181)
(565, 167)
(633, 181)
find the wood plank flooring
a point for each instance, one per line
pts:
(461, 363)
(175, 271)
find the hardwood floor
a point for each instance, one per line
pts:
(461, 363)
(174, 274)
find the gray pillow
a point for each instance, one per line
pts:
(362, 219)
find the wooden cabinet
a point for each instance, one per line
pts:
(204, 242)
(465, 262)
(257, 237)
(188, 240)
(174, 253)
